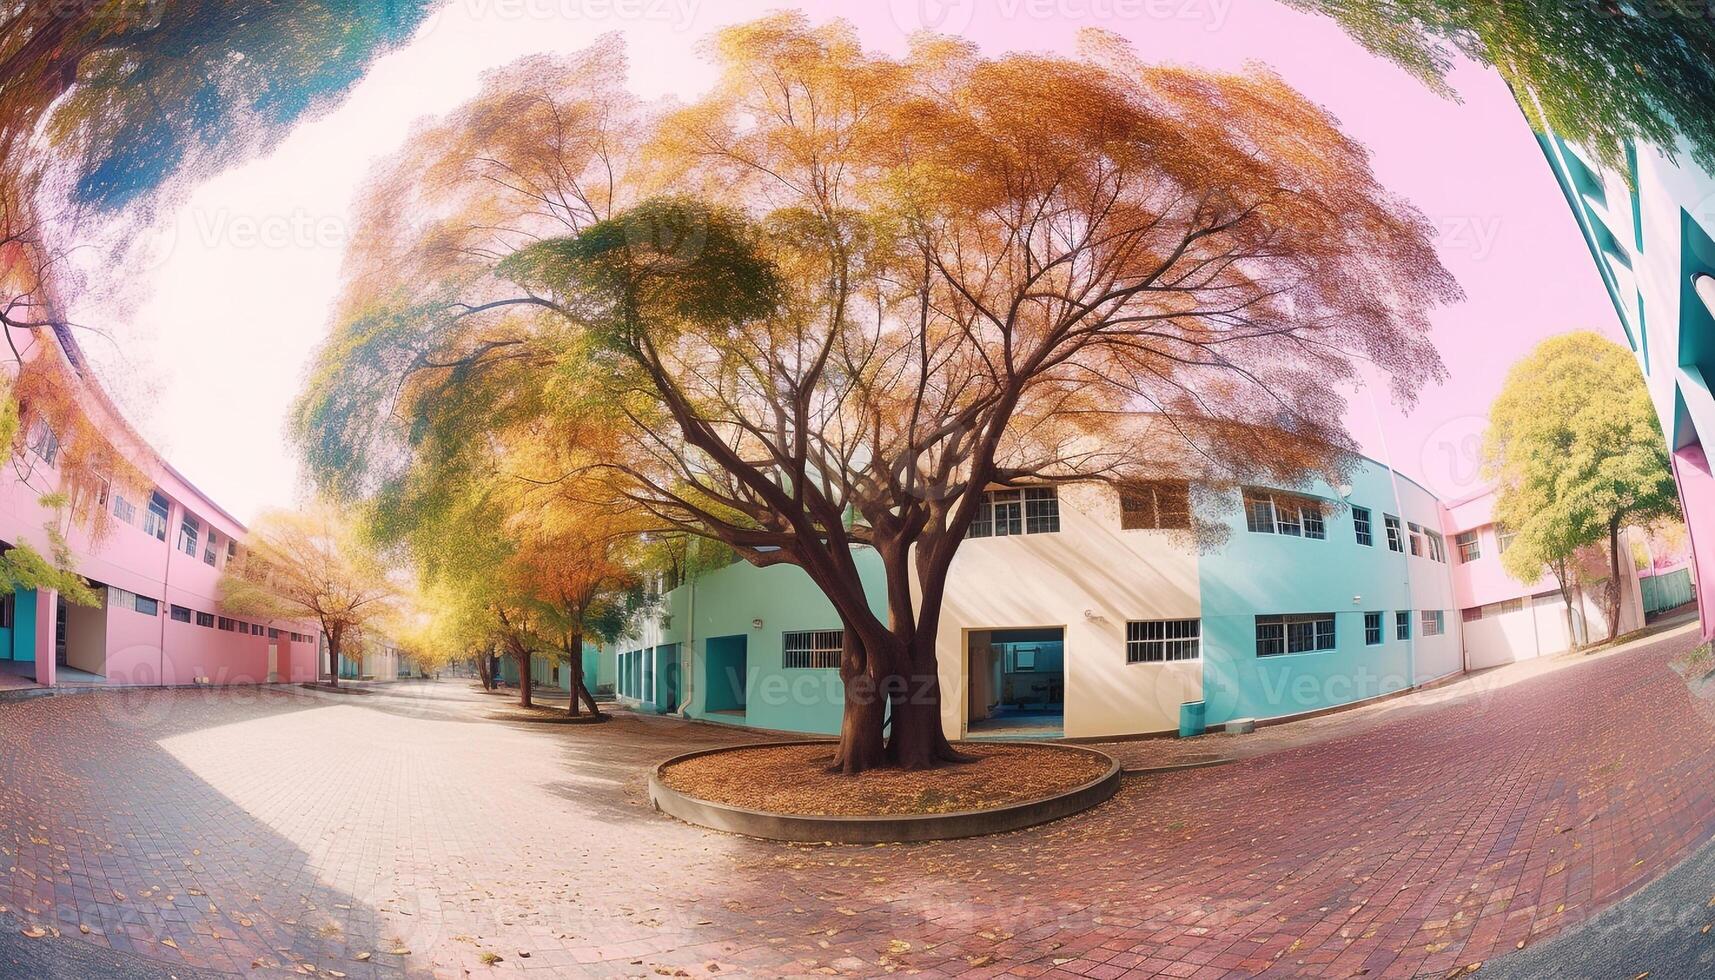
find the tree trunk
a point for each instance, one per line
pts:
(525, 681)
(1615, 595)
(583, 691)
(918, 741)
(483, 672)
(333, 660)
(861, 744)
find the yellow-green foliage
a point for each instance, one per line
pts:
(1574, 443)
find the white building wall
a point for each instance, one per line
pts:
(1089, 579)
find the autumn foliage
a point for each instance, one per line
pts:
(832, 302)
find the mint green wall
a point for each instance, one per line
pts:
(784, 598)
(1265, 574)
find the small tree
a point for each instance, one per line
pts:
(311, 564)
(1578, 454)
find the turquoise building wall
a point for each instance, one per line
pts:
(1265, 574)
(21, 644)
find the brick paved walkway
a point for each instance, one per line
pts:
(408, 833)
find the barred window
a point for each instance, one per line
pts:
(1259, 512)
(812, 648)
(1304, 633)
(1372, 628)
(1402, 624)
(1433, 623)
(1281, 513)
(1156, 641)
(1361, 526)
(181, 614)
(1310, 512)
(124, 509)
(228, 624)
(205, 619)
(1395, 537)
(1159, 505)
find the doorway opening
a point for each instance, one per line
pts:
(1016, 683)
(725, 664)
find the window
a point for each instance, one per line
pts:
(1361, 526)
(1041, 510)
(812, 648)
(121, 599)
(1311, 513)
(8, 610)
(1490, 610)
(1034, 510)
(208, 551)
(1157, 641)
(1259, 512)
(1395, 542)
(273, 634)
(155, 521)
(189, 528)
(44, 443)
(205, 619)
(124, 509)
(1372, 628)
(1294, 634)
(1279, 513)
(1470, 548)
(231, 550)
(1437, 546)
(1433, 623)
(1158, 505)
(1417, 545)
(1402, 624)
(1504, 539)
(181, 614)
(228, 625)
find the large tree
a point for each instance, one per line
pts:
(313, 564)
(926, 277)
(1603, 73)
(1578, 454)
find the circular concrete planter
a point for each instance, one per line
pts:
(885, 829)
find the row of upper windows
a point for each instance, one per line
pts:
(1155, 505)
(1170, 640)
(46, 445)
(1166, 505)
(120, 599)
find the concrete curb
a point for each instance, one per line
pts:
(892, 829)
(1179, 766)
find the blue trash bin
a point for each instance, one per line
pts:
(1192, 715)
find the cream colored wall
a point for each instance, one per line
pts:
(86, 636)
(1431, 588)
(1089, 579)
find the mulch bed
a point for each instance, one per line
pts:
(794, 779)
(550, 716)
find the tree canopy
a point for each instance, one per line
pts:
(1602, 73)
(313, 564)
(1575, 447)
(923, 277)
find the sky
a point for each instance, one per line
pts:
(207, 351)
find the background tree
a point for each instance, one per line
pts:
(312, 564)
(932, 276)
(1602, 73)
(1574, 444)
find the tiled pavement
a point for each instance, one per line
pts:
(300, 832)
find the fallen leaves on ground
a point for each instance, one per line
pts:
(794, 779)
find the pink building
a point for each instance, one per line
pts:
(1504, 620)
(155, 568)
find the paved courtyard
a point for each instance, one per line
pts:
(410, 832)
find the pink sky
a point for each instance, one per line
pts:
(247, 270)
